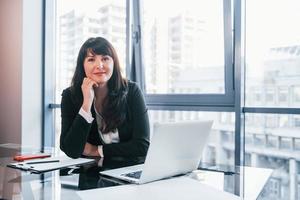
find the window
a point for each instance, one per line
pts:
(283, 95)
(274, 187)
(297, 95)
(185, 66)
(272, 42)
(297, 121)
(184, 63)
(269, 95)
(274, 147)
(272, 64)
(183, 47)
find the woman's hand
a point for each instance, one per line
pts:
(88, 93)
(90, 150)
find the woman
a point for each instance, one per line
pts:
(102, 113)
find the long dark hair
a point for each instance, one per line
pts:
(115, 103)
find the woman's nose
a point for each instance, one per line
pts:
(99, 63)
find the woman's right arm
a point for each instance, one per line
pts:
(74, 128)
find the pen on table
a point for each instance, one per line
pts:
(43, 161)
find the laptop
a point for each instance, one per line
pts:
(176, 148)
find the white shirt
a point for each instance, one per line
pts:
(108, 138)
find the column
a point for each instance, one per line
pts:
(293, 179)
(254, 160)
(293, 144)
(266, 141)
(221, 157)
(278, 145)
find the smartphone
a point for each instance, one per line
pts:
(30, 156)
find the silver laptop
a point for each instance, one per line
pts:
(176, 148)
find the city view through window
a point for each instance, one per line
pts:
(273, 80)
(183, 53)
(183, 47)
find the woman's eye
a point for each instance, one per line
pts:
(105, 58)
(91, 59)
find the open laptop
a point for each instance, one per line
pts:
(176, 148)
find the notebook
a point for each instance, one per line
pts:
(176, 148)
(49, 164)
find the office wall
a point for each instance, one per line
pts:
(10, 67)
(21, 63)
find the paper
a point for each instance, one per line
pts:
(174, 188)
(43, 167)
(211, 178)
(255, 180)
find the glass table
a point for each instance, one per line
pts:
(63, 183)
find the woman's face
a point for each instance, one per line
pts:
(98, 67)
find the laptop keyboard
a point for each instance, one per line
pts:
(136, 174)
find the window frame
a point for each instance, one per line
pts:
(49, 47)
(198, 101)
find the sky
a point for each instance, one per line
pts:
(269, 23)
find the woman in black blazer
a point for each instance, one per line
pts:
(102, 113)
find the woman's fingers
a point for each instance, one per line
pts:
(90, 82)
(93, 83)
(88, 93)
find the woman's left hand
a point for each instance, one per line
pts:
(90, 150)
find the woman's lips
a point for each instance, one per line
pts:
(99, 73)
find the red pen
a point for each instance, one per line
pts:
(30, 156)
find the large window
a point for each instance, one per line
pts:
(181, 54)
(272, 53)
(183, 47)
(186, 53)
(272, 85)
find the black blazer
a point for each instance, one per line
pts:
(133, 132)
